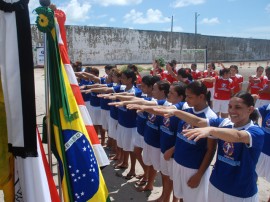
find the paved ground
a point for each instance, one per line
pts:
(120, 189)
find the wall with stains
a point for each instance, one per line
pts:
(106, 45)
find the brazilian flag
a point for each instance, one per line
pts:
(81, 178)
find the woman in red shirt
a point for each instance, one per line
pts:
(256, 81)
(157, 68)
(210, 73)
(223, 92)
(264, 92)
(237, 79)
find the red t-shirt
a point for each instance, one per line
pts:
(205, 75)
(223, 88)
(256, 84)
(266, 83)
(161, 73)
(139, 79)
(237, 80)
(196, 74)
(169, 77)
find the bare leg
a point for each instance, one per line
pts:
(96, 129)
(132, 163)
(102, 135)
(167, 185)
(131, 172)
(176, 199)
(151, 178)
(113, 154)
(138, 154)
(120, 156)
(126, 156)
(109, 142)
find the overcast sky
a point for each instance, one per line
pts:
(232, 18)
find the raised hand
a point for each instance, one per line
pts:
(197, 133)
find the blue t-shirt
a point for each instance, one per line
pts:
(265, 114)
(104, 102)
(151, 130)
(189, 153)
(113, 109)
(168, 129)
(114, 112)
(95, 100)
(141, 119)
(234, 171)
(127, 118)
(84, 82)
(86, 97)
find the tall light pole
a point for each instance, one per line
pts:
(196, 17)
(172, 24)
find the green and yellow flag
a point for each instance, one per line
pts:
(81, 177)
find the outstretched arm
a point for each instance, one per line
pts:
(185, 116)
(226, 134)
(101, 90)
(92, 77)
(208, 79)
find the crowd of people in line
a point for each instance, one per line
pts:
(173, 121)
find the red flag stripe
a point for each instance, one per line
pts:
(76, 90)
(94, 139)
(52, 187)
(97, 147)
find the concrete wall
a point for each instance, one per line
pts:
(102, 45)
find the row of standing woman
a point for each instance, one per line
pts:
(176, 132)
(220, 85)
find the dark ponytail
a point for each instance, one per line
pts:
(249, 101)
(197, 88)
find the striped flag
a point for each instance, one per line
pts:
(17, 73)
(27, 177)
(100, 154)
(81, 177)
(33, 179)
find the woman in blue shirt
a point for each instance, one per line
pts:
(240, 143)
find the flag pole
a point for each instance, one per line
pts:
(46, 3)
(59, 183)
(47, 102)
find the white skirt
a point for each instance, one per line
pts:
(88, 107)
(95, 115)
(105, 115)
(151, 156)
(125, 137)
(263, 166)
(139, 140)
(112, 128)
(181, 175)
(166, 167)
(215, 195)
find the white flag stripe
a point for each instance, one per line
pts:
(85, 115)
(10, 73)
(71, 76)
(32, 178)
(100, 155)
